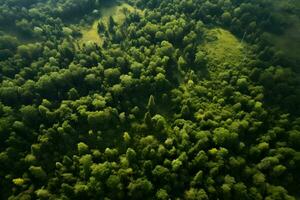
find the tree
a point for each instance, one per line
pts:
(86, 163)
(82, 148)
(182, 64)
(111, 24)
(195, 194)
(25, 27)
(166, 49)
(151, 105)
(160, 172)
(226, 18)
(176, 164)
(81, 190)
(115, 186)
(131, 155)
(277, 192)
(8, 46)
(198, 178)
(99, 119)
(162, 194)
(240, 191)
(30, 51)
(242, 83)
(18, 181)
(101, 27)
(112, 75)
(226, 191)
(294, 138)
(38, 173)
(200, 58)
(223, 137)
(43, 194)
(101, 171)
(159, 122)
(139, 188)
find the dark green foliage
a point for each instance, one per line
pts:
(181, 100)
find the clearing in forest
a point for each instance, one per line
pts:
(117, 12)
(223, 48)
(91, 35)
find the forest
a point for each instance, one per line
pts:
(150, 99)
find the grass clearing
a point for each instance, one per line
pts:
(91, 35)
(117, 12)
(223, 48)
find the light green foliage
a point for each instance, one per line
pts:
(151, 104)
(131, 155)
(112, 75)
(267, 162)
(86, 162)
(160, 172)
(98, 119)
(294, 138)
(242, 83)
(278, 170)
(111, 154)
(162, 194)
(277, 192)
(197, 180)
(30, 159)
(259, 179)
(100, 171)
(42, 194)
(225, 48)
(176, 164)
(126, 137)
(18, 181)
(114, 183)
(195, 194)
(166, 49)
(139, 188)
(200, 58)
(30, 114)
(159, 122)
(38, 172)
(82, 148)
(224, 137)
(80, 189)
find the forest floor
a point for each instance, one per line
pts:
(117, 12)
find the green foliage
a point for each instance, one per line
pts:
(149, 99)
(140, 188)
(224, 137)
(82, 148)
(193, 194)
(38, 173)
(162, 194)
(42, 194)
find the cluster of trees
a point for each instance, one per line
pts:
(144, 115)
(247, 19)
(47, 20)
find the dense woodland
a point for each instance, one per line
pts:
(184, 99)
